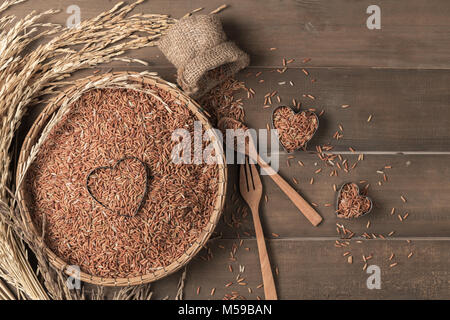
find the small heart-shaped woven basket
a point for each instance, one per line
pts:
(295, 112)
(116, 80)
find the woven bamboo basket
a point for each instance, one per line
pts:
(108, 81)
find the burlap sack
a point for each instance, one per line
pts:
(198, 46)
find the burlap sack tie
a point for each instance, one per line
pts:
(198, 47)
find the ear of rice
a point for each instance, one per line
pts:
(25, 77)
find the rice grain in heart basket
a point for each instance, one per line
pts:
(105, 188)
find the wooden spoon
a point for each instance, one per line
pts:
(250, 150)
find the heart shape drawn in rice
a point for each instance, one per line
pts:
(121, 188)
(350, 203)
(295, 129)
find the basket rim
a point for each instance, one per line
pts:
(144, 78)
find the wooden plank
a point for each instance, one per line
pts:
(409, 108)
(414, 34)
(424, 180)
(311, 269)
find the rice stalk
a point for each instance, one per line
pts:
(5, 293)
(181, 282)
(142, 292)
(25, 77)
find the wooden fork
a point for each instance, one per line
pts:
(250, 150)
(251, 190)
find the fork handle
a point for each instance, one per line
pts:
(297, 199)
(270, 291)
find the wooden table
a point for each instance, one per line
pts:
(400, 75)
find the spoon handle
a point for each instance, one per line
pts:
(305, 208)
(308, 211)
